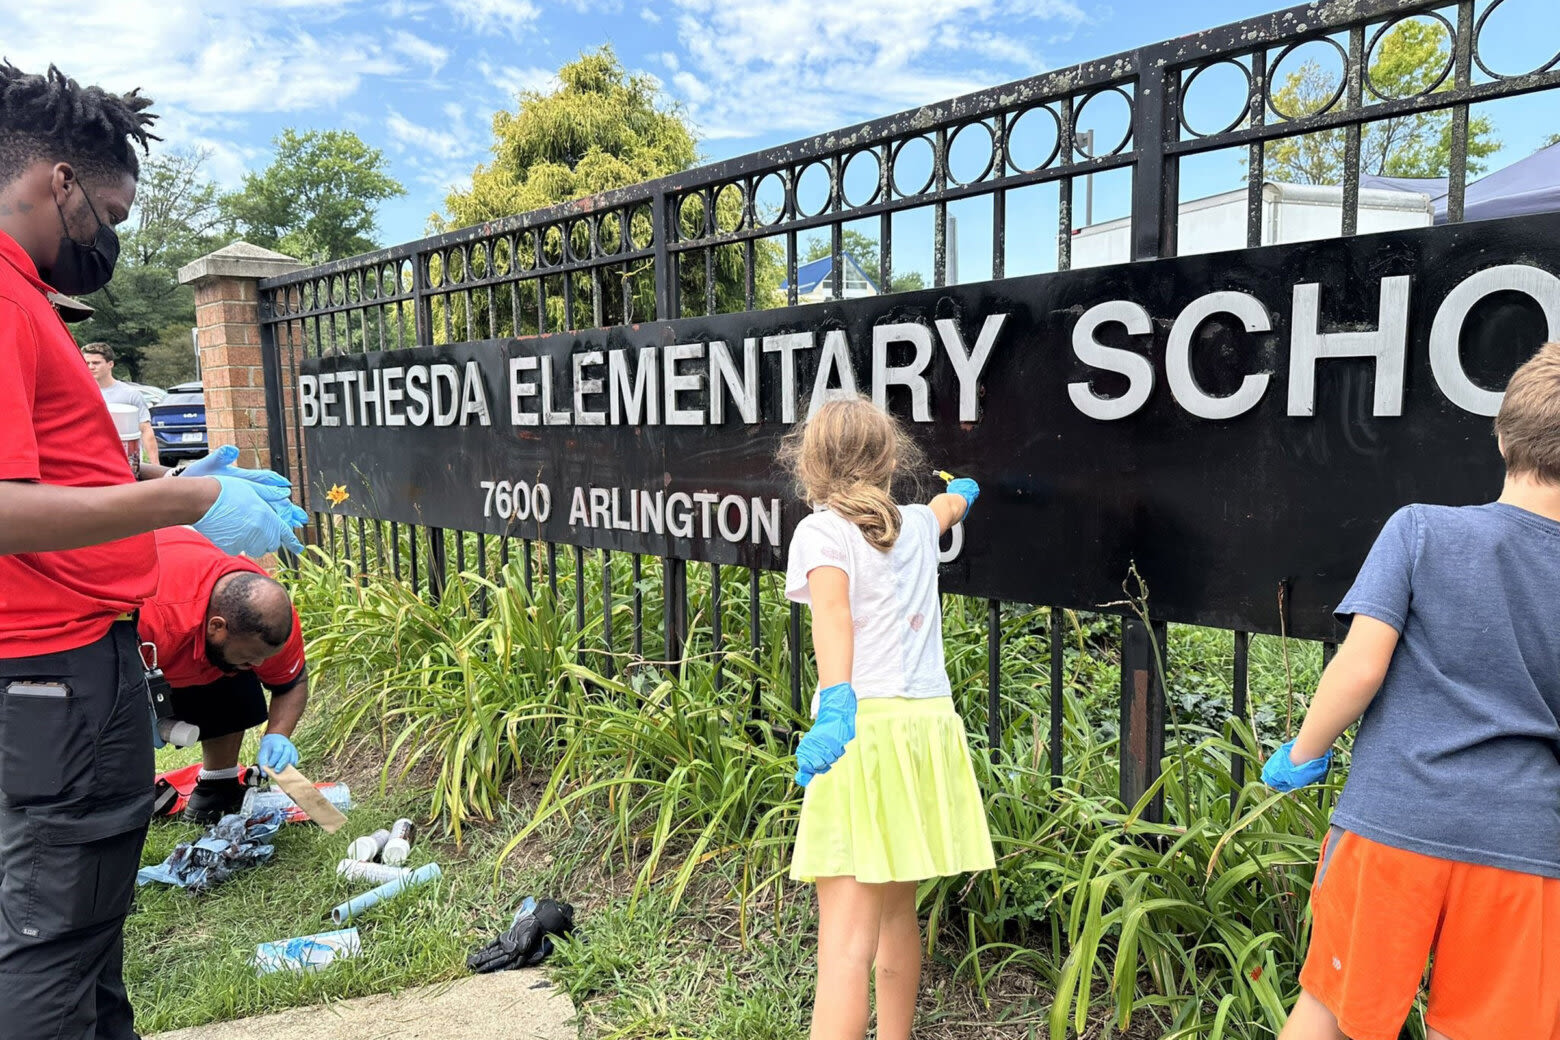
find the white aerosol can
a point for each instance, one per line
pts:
(402, 833)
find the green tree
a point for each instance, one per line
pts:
(177, 219)
(1549, 142)
(863, 248)
(1405, 63)
(318, 198)
(601, 128)
(170, 359)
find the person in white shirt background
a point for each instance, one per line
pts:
(100, 362)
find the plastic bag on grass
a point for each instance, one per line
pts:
(232, 844)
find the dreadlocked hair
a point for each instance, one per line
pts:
(846, 457)
(55, 119)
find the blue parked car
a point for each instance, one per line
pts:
(179, 420)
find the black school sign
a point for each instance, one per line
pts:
(1232, 422)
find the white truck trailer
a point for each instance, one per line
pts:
(1290, 213)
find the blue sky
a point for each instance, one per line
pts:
(421, 78)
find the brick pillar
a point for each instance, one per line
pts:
(228, 335)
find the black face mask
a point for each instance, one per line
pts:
(82, 269)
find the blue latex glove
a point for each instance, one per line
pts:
(1284, 774)
(277, 752)
(966, 489)
(220, 464)
(291, 514)
(246, 519)
(835, 727)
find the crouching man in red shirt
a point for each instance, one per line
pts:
(225, 632)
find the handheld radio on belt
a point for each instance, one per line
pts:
(165, 728)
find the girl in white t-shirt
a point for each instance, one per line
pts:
(891, 795)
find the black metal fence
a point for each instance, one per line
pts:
(718, 238)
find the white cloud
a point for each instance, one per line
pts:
(510, 80)
(226, 159)
(236, 74)
(448, 182)
(752, 66)
(649, 15)
(425, 140)
(439, 158)
(418, 49)
(691, 87)
(244, 56)
(996, 46)
(495, 17)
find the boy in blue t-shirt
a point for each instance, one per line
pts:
(1446, 839)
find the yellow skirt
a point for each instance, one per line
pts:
(901, 804)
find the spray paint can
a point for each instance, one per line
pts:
(402, 833)
(376, 873)
(367, 848)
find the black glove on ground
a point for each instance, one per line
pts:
(526, 943)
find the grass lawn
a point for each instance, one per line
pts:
(188, 957)
(648, 803)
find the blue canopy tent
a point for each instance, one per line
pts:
(1431, 186)
(1530, 185)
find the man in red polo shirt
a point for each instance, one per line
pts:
(222, 630)
(76, 560)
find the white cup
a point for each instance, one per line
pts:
(127, 420)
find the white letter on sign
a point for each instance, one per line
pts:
(584, 387)
(674, 383)
(550, 415)
(1446, 333)
(787, 346)
(327, 398)
(1387, 344)
(473, 398)
(521, 388)
(969, 364)
(417, 392)
(637, 400)
(724, 380)
(309, 400)
(836, 356)
(446, 388)
(1138, 369)
(912, 375)
(1178, 356)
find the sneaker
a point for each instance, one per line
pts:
(213, 799)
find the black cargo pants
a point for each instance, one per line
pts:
(75, 797)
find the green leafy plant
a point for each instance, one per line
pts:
(680, 774)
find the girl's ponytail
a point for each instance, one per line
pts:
(869, 508)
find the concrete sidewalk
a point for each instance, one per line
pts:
(507, 1005)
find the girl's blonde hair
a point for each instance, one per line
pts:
(846, 457)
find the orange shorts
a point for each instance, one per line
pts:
(1380, 914)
